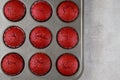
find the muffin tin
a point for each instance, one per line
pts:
(41, 40)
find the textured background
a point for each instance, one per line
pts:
(102, 40)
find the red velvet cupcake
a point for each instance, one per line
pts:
(68, 11)
(67, 64)
(14, 10)
(40, 64)
(41, 11)
(40, 37)
(12, 64)
(67, 37)
(14, 37)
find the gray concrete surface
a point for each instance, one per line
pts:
(102, 40)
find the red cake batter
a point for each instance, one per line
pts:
(14, 10)
(68, 11)
(14, 37)
(40, 64)
(41, 11)
(67, 64)
(40, 37)
(12, 64)
(67, 37)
